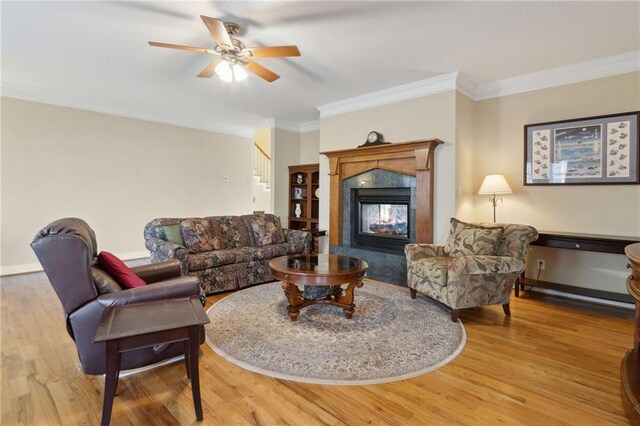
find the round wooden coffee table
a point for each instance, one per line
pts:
(327, 270)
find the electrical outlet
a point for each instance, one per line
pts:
(541, 264)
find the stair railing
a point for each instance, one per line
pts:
(262, 165)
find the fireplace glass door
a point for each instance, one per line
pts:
(381, 219)
(384, 220)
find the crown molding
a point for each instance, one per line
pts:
(465, 86)
(290, 126)
(591, 70)
(294, 126)
(34, 94)
(430, 86)
(599, 68)
(310, 126)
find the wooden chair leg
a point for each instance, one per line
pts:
(413, 292)
(454, 315)
(507, 310)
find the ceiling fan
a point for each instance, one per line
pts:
(234, 59)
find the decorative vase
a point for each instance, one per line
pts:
(299, 179)
(298, 210)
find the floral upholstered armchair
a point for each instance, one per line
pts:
(477, 266)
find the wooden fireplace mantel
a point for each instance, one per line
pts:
(411, 158)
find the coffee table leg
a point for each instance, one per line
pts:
(347, 299)
(194, 349)
(110, 380)
(293, 297)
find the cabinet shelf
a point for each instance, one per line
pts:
(309, 174)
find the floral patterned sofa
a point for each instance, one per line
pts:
(224, 252)
(477, 266)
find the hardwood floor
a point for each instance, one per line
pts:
(551, 362)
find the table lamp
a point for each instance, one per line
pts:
(494, 184)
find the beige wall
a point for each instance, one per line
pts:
(608, 209)
(310, 147)
(465, 157)
(285, 153)
(422, 118)
(116, 173)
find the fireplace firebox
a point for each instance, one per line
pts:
(381, 218)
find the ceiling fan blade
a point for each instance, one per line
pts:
(218, 31)
(274, 51)
(180, 47)
(210, 69)
(261, 71)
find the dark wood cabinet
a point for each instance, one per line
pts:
(304, 182)
(630, 367)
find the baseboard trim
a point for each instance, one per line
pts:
(601, 297)
(27, 268)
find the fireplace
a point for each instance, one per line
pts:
(380, 218)
(378, 235)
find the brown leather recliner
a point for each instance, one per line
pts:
(67, 250)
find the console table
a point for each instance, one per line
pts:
(584, 242)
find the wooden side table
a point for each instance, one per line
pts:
(630, 366)
(129, 327)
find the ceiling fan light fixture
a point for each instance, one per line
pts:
(223, 70)
(238, 72)
(235, 60)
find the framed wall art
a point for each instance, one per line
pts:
(585, 151)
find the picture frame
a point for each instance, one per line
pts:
(299, 193)
(598, 150)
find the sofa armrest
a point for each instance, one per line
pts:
(169, 289)
(420, 251)
(155, 272)
(301, 237)
(483, 265)
(162, 250)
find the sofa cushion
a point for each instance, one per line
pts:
(200, 235)
(211, 259)
(428, 272)
(515, 240)
(117, 269)
(248, 254)
(103, 281)
(173, 234)
(466, 239)
(265, 228)
(234, 231)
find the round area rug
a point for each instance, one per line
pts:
(390, 337)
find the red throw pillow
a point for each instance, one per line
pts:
(119, 271)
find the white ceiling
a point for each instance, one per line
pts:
(96, 54)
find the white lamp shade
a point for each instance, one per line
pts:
(239, 73)
(494, 184)
(223, 69)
